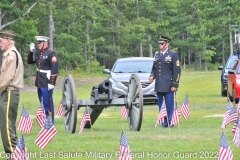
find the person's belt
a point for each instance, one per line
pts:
(11, 88)
(45, 71)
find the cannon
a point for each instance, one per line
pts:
(101, 97)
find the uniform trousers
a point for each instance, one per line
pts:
(45, 95)
(9, 101)
(169, 101)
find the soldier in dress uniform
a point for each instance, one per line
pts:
(166, 72)
(11, 80)
(47, 70)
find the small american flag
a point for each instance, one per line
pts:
(124, 112)
(60, 110)
(41, 116)
(236, 137)
(232, 116)
(235, 126)
(20, 152)
(225, 152)
(175, 116)
(238, 108)
(46, 134)
(124, 149)
(86, 118)
(226, 115)
(185, 108)
(162, 114)
(25, 123)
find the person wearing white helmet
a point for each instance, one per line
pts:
(46, 61)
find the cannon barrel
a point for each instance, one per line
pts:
(104, 86)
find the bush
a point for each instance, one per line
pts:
(95, 67)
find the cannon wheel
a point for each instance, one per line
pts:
(135, 103)
(70, 105)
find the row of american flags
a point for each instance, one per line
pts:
(25, 124)
(231, 115)
(163, 112)
(125, 153)
(48, 132)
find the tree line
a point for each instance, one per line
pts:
(88, 32)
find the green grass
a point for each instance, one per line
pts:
(197, 137)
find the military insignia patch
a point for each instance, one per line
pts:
(10, 57)
(168, 58)
(177, 63)
(54, 59)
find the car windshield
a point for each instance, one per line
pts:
(144, 66)
(230, 64)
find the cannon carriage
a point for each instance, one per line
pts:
(100, 98)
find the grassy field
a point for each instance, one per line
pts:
(197, 137)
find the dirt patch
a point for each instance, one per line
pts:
(30, 86)
(215, 115)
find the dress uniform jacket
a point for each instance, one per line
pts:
(11, 79)
(166, 71)
(47, 67)
(11, 70)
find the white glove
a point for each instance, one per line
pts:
(32, 47)
(50, 86)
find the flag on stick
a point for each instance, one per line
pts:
(175, 116)
(232, 115)
(225, 152)
(185, 108)
(124, 153)
(162, 114)
(25, 123)
(86, 118)
(238, 108)
(46, 134)
(20, 152)
(235, 126)
(124, 112)
(41, 116)
(226, 115)
(60, 110)
(236, 137)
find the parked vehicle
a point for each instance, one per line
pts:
(233, 83)
(120, 74)
(224, 75)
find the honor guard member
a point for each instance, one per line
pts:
(47, 69)
(11, 80)
(166, 72)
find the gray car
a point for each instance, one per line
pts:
(121, 71)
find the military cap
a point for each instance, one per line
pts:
(162, 39)
(7, 34)
(41, 38)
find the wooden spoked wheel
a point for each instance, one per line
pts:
(135, 103)
(70, 105)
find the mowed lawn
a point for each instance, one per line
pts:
(197, 137)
